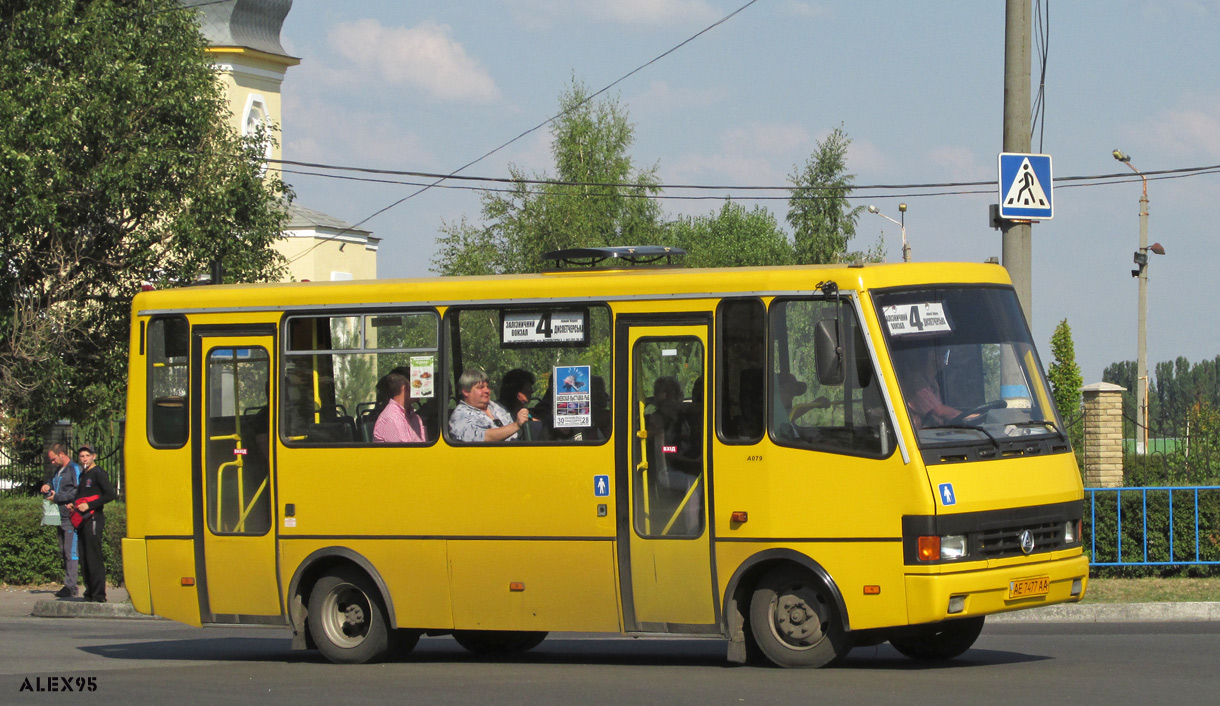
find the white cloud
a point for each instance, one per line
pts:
(426, 57)
(960, 164)
(757, 154)
(653, 12)
(326, 131)
(806, 10)
(548, 14)
(1189, 132)
(660, 96)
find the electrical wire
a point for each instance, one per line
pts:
(1042, 33)
(539, 126)
(179, 8)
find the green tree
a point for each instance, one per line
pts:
(821, 217)
(1064, 374)
(598, 198)
(118, 166)
(731, 237)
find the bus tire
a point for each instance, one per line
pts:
(498, 642)
(347, 619)
(794, 620)
(941, 641)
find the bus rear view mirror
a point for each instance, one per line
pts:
(829, 352)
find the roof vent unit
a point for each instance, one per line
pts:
(618, 257)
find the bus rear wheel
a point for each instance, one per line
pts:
(347, 619)
(498, 642)
(794, 620)
(940, 641)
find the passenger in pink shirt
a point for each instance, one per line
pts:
(398, 423)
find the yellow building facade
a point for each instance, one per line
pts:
(244, 39)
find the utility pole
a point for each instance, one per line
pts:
(1018, 249)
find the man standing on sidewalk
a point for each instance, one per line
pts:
(60, 488)
(93, 491)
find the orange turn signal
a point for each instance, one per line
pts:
(188, 580)
(872, 590)
(740, 516)
(516, 586)
(929, 548)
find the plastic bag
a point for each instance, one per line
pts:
(50, 513)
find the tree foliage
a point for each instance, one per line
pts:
(821, 217)
(118, 166)
(1064, 373)
(731, 237)
(596, 198)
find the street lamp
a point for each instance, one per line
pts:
(1141, 272)
(902, 209)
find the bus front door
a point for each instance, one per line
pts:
(237, 577)
(665, 556)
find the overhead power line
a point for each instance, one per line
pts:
(539, 126)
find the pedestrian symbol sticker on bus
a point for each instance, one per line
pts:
(1026, 187)
(601, 486)
(946, 494)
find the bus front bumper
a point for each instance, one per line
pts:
(936, 597)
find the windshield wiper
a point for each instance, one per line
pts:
(966, 427)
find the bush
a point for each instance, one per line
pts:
(28, 552)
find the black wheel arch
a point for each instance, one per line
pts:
(313, 567)
(741, 585)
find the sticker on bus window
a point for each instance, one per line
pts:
(916, 318)
(546, 328)
(572, 396)
(423, 381)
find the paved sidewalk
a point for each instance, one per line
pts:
(40, 601)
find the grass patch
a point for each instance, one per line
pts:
(1152, 590)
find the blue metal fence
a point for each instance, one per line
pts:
(1153, 526)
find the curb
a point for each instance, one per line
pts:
(1197, 612)
(84, 609)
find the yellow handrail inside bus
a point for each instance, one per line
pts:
(642, 434)
(682, 505)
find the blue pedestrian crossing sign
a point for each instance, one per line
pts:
(1026, 188)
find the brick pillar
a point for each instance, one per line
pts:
(1103, 435)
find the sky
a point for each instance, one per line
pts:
(916, 84)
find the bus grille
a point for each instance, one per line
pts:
(1006, 541)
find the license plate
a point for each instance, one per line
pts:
(1029, 587)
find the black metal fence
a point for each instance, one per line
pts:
(25, 476)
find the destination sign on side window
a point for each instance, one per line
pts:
(916, 318)
(546, 328)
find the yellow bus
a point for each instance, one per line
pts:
(796, 460)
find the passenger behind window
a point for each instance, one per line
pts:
(398, 423)
(674, 451)
(603, 420)
(479, 418)
(516, 391)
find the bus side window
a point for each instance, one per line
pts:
(845, 413)
(740, 384)
(168, 381)
(335, 369)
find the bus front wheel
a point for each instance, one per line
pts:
(940, 641)
(794, 620)
(347, 619)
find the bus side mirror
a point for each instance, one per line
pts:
(829, 352)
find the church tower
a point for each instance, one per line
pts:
(244, 46)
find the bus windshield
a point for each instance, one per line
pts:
(966, 365)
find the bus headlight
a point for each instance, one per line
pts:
(953, 546)
(1071, 531)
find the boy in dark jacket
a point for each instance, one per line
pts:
(93, 491)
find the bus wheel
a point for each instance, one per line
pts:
(347, 620)
(940, 641)
(794, 620)
(498, 642)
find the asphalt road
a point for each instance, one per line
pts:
(156, 662)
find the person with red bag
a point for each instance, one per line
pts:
(93, 491)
